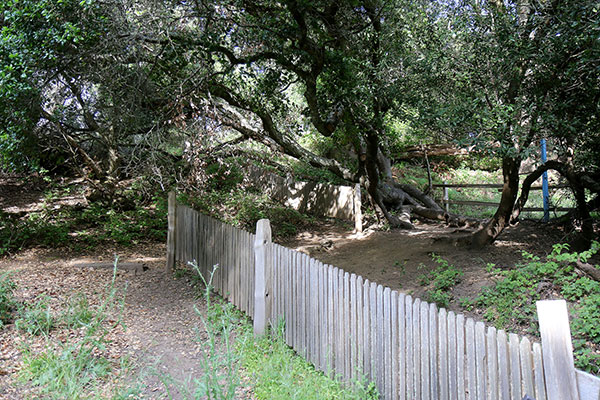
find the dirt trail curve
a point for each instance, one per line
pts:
(160, 331)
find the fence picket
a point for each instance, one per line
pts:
(526, 367)
(234, 266)
(367, 330)
(460, 357)
(346, 328)
(471, 359)
(515, 368)
(337, 332)
(274, 281)
(433, 351)
(492, 364)
(342, 324)
(323, 317)
(241, 255)
(247, 270)
(417, 348)
(294, 301)
(281, 273)
(452, 358)
(540, 386)
(443, 340)
(380, 359)
(289, 297)
(353, 329)
(424, 334)
(231, 265)
(503, 366)
(307, 304)
(480, 361)
(313, 312)
(409, 349)
(395, 344)
(300, 296)
(373, 334)
(387, 342)
(331, 319)
(402, 356)
(359, 326)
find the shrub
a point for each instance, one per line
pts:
(511, 300)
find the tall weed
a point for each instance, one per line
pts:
(7, 302)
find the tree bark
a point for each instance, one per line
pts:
(578, 185)
(495, 226)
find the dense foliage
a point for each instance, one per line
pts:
(165, 89)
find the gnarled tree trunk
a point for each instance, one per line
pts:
(495, 226)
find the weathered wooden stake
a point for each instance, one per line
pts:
(262, 276)
(446, 199)
(171, 236)
(557, 350)
(357, 209)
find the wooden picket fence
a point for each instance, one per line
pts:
(353, 328)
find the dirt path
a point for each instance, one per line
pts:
(161, 332)
(400, 258)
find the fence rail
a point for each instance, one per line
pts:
(350, 327)
(447, 201)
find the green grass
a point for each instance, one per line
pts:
(278, 373)
(510, 302)
(36, 318)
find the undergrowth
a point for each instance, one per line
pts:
(511, 300)
(7, 301)
(74, 368)
(440, 281)
(243, 208)
(80, 228)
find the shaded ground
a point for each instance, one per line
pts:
(160, 323)
(18, 195)
(400, 258)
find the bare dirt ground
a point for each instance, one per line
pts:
(399, 258)
(160, 325)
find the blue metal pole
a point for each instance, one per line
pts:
(546, 195)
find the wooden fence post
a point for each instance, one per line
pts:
(357, 209)
(262, 276)
(557, 350)
(446, 199)
(171, 236)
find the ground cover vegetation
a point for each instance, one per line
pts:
(84, 224)
(510, 301)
